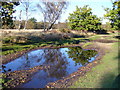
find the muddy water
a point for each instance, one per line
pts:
(63, 61)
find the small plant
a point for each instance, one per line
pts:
(76, 42)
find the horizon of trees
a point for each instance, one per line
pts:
(33, 24)
(113, 15)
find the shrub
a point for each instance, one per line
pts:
(65, 30)
(6, 40)
(52, 37)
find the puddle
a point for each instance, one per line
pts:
(63, 61)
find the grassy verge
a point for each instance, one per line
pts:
(94, 37)
(103, 75)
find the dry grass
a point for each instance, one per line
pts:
(105, 46)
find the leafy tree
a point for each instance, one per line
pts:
(51, 12)
(83, 19)
(106, 26)
(7, 9)
(114, 15)
(40, 25)
(33, 20)
(32, 24)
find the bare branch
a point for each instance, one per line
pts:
(52, 11)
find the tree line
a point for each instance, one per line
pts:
(33, 24)
(81, 19)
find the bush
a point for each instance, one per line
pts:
(65, 30)
(78, 36)
(101, 32)
(118, 37)
(52, 37)
(6, 40)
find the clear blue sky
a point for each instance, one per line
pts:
(96, 5)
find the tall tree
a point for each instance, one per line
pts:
(114, 15)
(83, 19)
(20, 21)
(7, 9)
(26, 4)
(52, 11)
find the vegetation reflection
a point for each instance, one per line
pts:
(57, 61)
(81, 56)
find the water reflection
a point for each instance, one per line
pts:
(28, 60)
(63, 61)
(57, 61)
(81, 56)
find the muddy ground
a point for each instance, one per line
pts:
(16, 78)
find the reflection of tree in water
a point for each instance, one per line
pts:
(26, 63)
(31, 59)
(81, 56)
(57, 61)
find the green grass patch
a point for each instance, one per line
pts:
(94, 37)
(102, 75)
(86, 44)
(8, 49)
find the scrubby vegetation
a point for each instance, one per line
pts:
(18, 41)
(13, 42)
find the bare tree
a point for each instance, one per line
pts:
(26, 4)
(20, 20)
(52, 11)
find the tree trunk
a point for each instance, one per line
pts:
(44, 23)
(26, 18)
(19, 26)
(20, 20)
(86, 32)
(50, 26)
(53, 21)
(25, 25)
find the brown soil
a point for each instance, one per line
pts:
(104, 41)
(19, 77)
